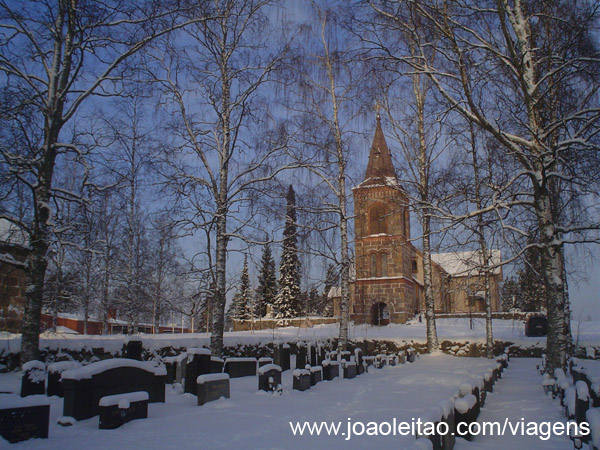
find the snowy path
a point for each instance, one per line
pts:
(519, 395)
(252, 420)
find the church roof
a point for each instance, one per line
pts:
(380, 167)
(462, 264)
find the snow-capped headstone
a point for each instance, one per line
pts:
(134, 348)
(55, 370)
(240, 367)
(269, 378)
(198, 363)
(33, 381)
(301, 379)
(116, 410)
(24, 418)
(212, 387)
(281, 356)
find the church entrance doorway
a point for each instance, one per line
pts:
(380, 314)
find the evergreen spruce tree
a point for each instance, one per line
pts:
(245, 301)
(285, 304)
(241, 305)
(267, 282)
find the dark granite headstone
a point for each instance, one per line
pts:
(345, 355)
(133, 349)
(82, 394)
(33, 381)
(198, 363)
(240, 367)
(331, 369)
(212, 387)
(316, 375)
(401, 358)
(582, 401)
(55, 370)
(301, 380)
(117, 410)
(171, 366)
(313, 355)
(281, 356)
(216, 364)
(19, 423)
(301, 356)
(264, 361)
(350, 370)
(321, 356)
(269, 378)
(370, 360)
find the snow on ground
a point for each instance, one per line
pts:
(251, 419)
(456, 329)
(519, 396)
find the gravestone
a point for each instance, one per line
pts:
(464, 412)
(301, 380)
(331, 369)
(321, 355)
(84, 387)
(171, 366)
(380, 361)
(301, 356)
(180, 368)
(411, 355)
(212, 387)
(313, 355)
(349, 369)
(401, 357)
(269, 378)
(240, 367)
(33, 381)
(23, 418)
(582, 401)
(116, 410)
(198, 363)
(281, 356)
(345, 355)
(264, 361)
(216, 364)
(133, 348)
(370, 360)
(358, 356)
(316, 375)
(55, 370)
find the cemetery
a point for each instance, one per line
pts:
(195, 396)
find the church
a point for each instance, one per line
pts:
(387, 278)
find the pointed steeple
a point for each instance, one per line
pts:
(380, 160)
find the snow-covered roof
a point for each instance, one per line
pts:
(466, 263)
(12, 234)
(334, 292)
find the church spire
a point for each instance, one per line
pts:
(380, 160)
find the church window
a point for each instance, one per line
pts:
(384, 265)
(378, 219)
(373, 265)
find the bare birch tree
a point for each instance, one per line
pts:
(526, 73)
(214, 85)
(53, 57)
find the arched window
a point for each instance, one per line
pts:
(373, 265)
(378, 219)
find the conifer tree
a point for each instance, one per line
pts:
(267, 282)
(285, 304)
(241, 305)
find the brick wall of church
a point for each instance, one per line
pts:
(383, 256)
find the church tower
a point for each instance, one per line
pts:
(384, 290)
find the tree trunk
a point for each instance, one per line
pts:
(553, 273)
